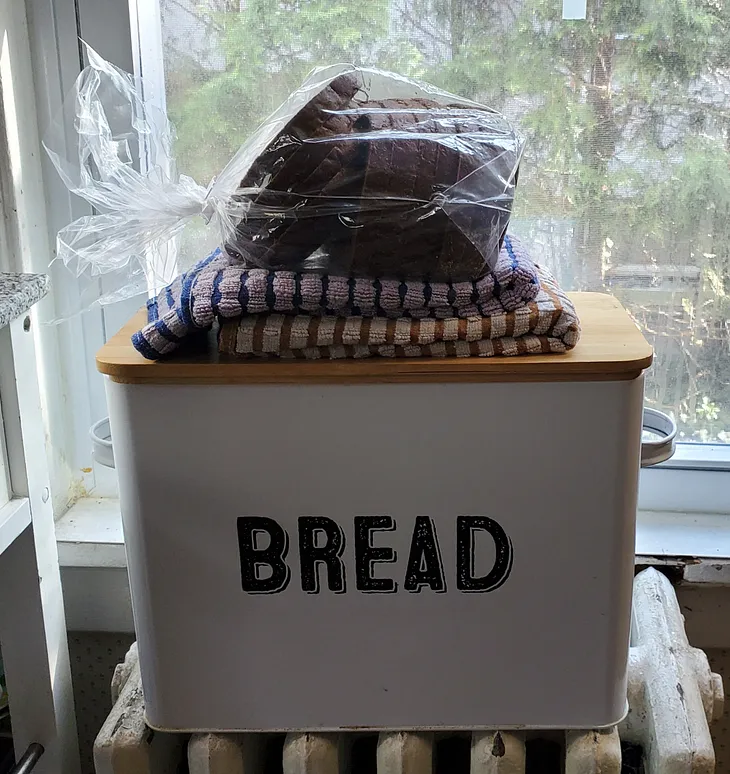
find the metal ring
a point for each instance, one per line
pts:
(661, 449)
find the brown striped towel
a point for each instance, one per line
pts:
(547, 324)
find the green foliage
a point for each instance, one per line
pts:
(267, 50)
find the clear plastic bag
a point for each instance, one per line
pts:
(359, 171)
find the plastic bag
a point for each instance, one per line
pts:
(359, 171)
(113, 148)
(377, 176)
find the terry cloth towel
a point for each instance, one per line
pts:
(547, 324)
(220, 287)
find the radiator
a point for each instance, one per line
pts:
(673, 697)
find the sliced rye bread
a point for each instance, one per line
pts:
(380, 186)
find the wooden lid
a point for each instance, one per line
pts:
(611, 348)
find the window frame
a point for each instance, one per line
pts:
(695, 480)
(55, 28)
(55, 58)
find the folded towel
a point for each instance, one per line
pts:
(220, 287)
(547, 324)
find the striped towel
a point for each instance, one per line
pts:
(547, 324)
(219, 287)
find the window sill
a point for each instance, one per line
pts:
(90, 535)
(683, 535)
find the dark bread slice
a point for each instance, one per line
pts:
(392, 187)
(285, 227)
(320, 117)
(293, 166)
(419, 238)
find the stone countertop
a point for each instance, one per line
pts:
(18, 292)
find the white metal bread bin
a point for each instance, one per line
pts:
(383, 543)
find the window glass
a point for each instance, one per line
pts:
(625, 186)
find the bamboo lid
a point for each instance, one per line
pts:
(611, 348)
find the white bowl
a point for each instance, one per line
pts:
(101, 439)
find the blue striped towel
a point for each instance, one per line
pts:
(219, 287)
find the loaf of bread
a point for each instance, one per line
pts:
(408, 188)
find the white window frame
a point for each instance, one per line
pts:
(696, 480)
(75, 394)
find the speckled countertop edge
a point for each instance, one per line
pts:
(18, 292)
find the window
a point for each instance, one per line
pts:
(625, 185)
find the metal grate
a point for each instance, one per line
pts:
(94, 655)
